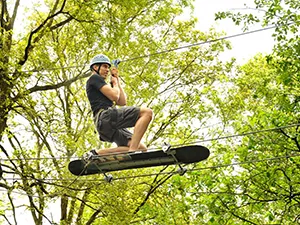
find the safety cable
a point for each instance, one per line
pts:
(171, 173)
(201, 43)
(44, 181)
(146, 175)
(176, 145)
(209, 167)
(241, 135)
(207, 140)
(174, 172)
(167, 50)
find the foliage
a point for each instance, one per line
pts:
(263, 94)
(46, 119)
(263, 189)
(284, 16)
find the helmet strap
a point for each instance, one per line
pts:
(98, 70)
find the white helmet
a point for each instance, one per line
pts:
(100, 59)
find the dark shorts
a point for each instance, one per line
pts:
(112, 124)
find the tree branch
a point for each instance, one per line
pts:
(4, 186)
(234, 214)
(3, 13)
(56, 86)
(5, 152)
(14, 15)
(12, 206)
(82, 205)
(155, 184)
(63, 207)
(37, 210)
(6, 219)
(83, 201)
(29, 46)
(60, 24)
(70, 17)
(1, 171)
(93, 217)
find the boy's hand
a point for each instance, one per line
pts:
(113, 80)
(114, 76)
(115, 73)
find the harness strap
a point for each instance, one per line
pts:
(96, 117)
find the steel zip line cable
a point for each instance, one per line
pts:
(166, 173)
(178, 145)
(165, 51)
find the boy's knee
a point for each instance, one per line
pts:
(147, 112)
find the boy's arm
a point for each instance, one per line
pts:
(113, 93)
(122, 96)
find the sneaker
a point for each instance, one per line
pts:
(88, 156)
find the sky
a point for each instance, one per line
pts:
(243, 48)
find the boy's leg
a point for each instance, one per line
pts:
(120, 149)
(106, 151)
(140, 128)
(145, 117)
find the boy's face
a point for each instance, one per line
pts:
(104, 70)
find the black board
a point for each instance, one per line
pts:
(115, 162)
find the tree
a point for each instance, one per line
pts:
(252, 179)
(262, 190)
(285, 17)
(45, 118)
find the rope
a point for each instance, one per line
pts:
(167, 50)
(176, 172)
(178, 145)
